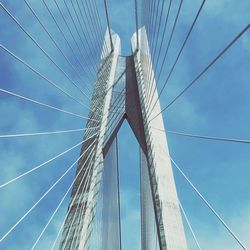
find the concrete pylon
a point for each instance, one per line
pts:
(119, 94)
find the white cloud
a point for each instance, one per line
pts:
(218, 237)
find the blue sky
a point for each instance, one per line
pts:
(218, 104)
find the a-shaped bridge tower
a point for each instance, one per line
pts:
(121, 92)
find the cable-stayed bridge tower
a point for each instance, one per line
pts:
(93, 219)
(50, 58)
